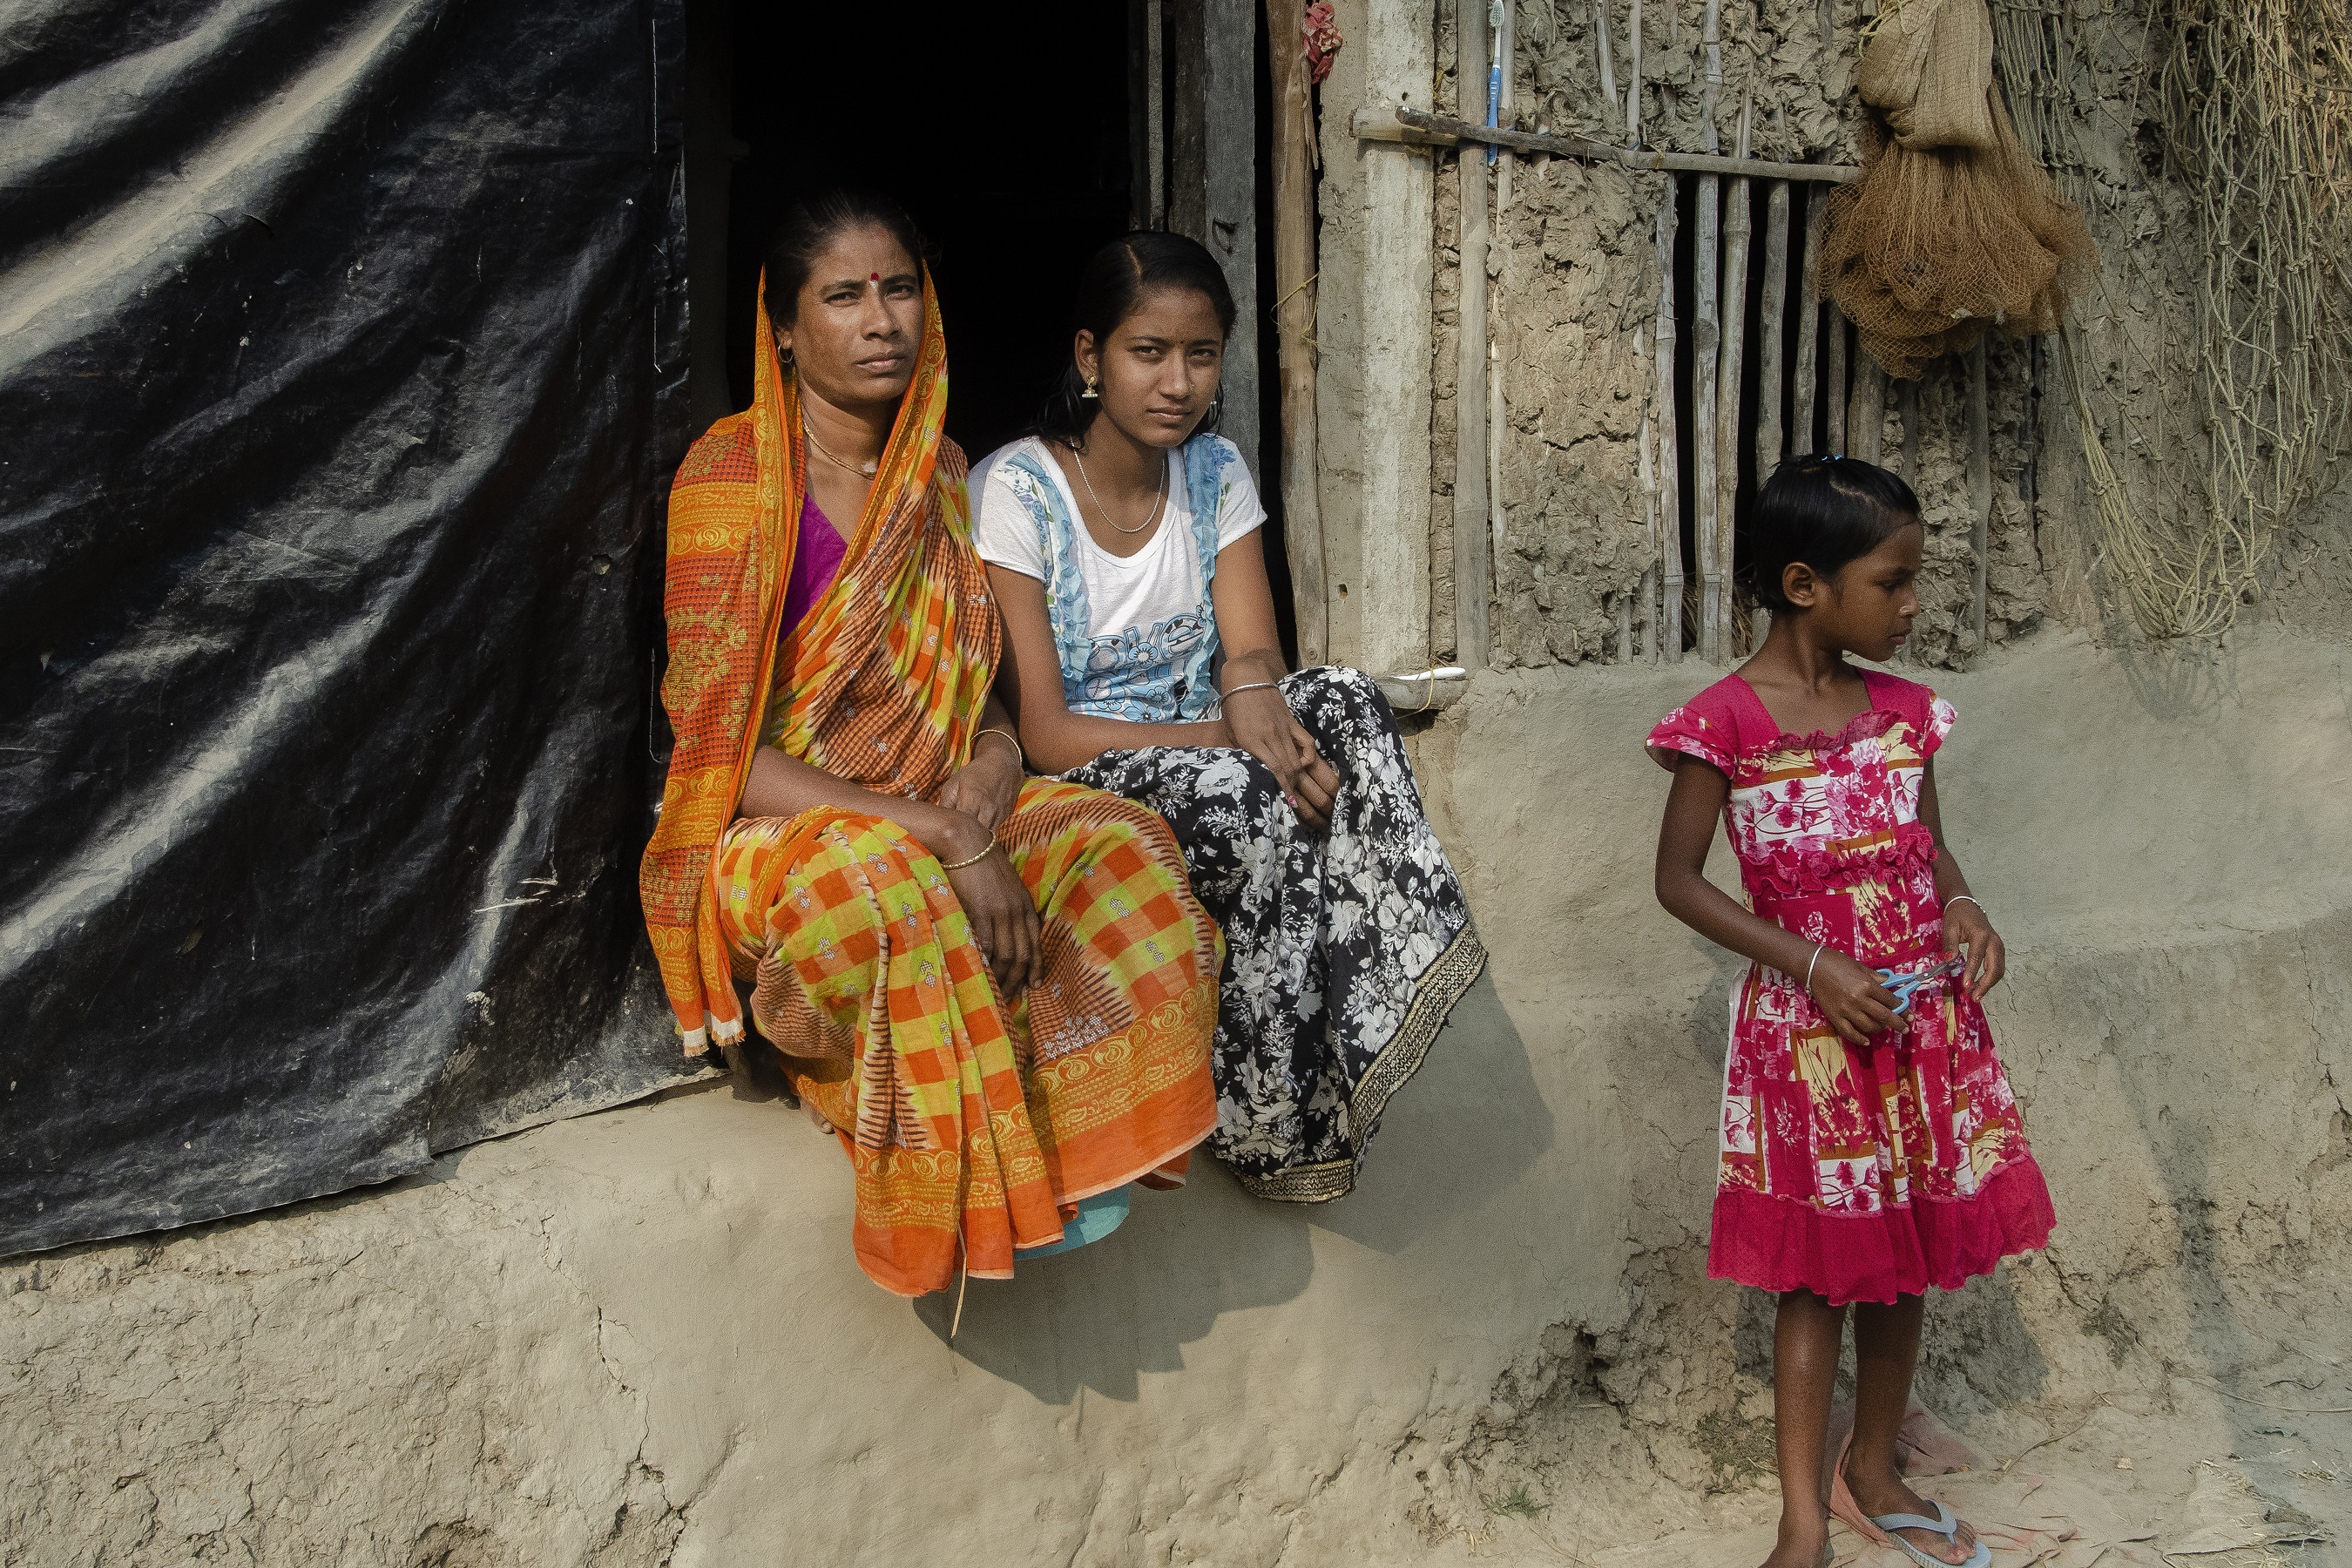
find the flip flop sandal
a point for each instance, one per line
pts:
(1945, 1524)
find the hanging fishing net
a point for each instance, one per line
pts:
(1952, 229)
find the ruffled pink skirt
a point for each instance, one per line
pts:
(1787, 1243)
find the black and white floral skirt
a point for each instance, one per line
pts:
(1344, 951)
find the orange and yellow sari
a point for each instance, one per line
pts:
(973, 1124)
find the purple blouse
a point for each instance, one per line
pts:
(815, 559)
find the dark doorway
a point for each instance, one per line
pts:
(1005, 134)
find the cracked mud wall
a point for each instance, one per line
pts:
(639, 1338)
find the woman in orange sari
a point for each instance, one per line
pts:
(998, 990)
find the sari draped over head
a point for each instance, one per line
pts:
(974, 1125)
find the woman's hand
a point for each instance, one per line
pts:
(1262, 725)
(1965, 927)
(1850, 996)
(996, 903)
(985, 788)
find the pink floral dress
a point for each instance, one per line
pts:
(1857, 1172)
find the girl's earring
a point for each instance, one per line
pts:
(1090, 394)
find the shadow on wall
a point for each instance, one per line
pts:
(1469, 1123)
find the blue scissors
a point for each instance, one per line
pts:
(1903, 983)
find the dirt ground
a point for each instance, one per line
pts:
(2165, 1470)
(639, 1338)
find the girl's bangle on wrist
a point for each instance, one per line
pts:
(1811, 965)
(1963, 898)
(1253, 686)
(970, 860)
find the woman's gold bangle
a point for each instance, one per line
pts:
(960, 864)
(1010, 739)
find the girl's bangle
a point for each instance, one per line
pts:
(1254, 686)
(976, 859)
(1963, 898)
(1010, 739)
(1808, 967)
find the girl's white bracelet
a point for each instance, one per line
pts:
(1254, 686)
(1963, 898)
(1808, 967)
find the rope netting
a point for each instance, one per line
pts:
(1952, 229)
(2244, 410)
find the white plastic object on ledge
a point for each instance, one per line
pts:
(1424, 690)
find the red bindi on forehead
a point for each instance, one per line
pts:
(874, 278)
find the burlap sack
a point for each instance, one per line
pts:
(1928, 68)
(1934, 246)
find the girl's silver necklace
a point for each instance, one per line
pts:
(1156, 505)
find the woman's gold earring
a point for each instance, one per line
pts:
(1090, 394)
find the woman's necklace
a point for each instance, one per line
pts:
(1156, 505)
(837, 460)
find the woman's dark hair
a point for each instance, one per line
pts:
(1110, 289)
(1825, 511)
(811, 223)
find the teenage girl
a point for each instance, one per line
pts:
(1870, 1144)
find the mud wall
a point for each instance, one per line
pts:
(639, 1338)
(1573, 278)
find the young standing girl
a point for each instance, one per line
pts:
(1870, 1144)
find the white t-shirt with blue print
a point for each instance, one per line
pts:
(1143, 611)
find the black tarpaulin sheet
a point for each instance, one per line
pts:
(341, 376)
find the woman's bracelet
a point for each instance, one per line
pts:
(1255, 686)
(1963, 898)
(1010, 739)
(974, 860)
(1808, 967)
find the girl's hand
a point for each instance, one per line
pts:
(1850, 996)
(1262, 725)
(1965, 927)
(1004, 920)
(985, 788)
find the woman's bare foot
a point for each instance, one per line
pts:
(816, 1117)
(1805, 1543)
(1885, 1494)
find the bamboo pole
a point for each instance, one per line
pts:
(1707, 347)
(1809, 330)
(1739, 226)
(1505, 49)
(1608, 51)
(1865, 408)
(1833, 396)
(1771, 440)
(1470, 518)
(1411, 127)
(1497, 415)
(1979, 488)
(1906, 409)
(1293, 130)
(1633, 78)
(1650, 570)
(1496, 423)
(1669, 504)
(1155, 106)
